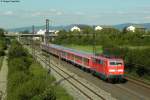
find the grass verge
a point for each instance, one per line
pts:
(145, 78)
(1, 61)
(85, 48)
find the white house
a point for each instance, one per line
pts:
(131, 28)
(98, 28)
(56, 32)
(75, 28)
(42, 32)
(16, 33)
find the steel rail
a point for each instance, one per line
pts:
(98, 95)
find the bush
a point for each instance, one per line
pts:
(14, 81)
(29, 89)
(48, 94)
(2, 53)
(136, 60)
(17, 51)
(3, 46)
(18, 64)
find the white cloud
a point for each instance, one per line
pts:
(52, 10)
(79, 13)
(36, 14)
(59, 13)
(147, 17)
(8, 13)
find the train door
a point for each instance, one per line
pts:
(64, 54)
(93, 64)
(104, 66)
(97, 65)
(86, 62)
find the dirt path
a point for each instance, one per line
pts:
(3, 79)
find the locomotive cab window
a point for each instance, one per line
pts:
(115, 63)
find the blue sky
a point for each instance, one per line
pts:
(64, 12)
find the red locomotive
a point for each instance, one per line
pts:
(107, 68)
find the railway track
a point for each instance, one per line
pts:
(125, 88)
(77, 81)
(138, 82)
(88, 92)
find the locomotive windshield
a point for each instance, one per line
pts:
(115, 63)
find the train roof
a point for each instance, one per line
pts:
(80, 53)
(107, 58)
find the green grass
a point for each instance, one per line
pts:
(86, 48)
(134, 75)
(135, 47)
(61, 94)
(38, 72)
(36, 69)
(1, 61)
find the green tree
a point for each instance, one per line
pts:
(2, 31)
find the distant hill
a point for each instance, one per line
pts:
(36, 28)
(146, 25)
(122, 26)
(68, 27)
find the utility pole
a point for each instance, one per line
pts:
(94, 44)
(47, 32)
(33, 49)
(47, 44)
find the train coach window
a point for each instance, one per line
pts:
(100, 61)
(85, 60)
(94, 60)
(63, 54)
(78, 58)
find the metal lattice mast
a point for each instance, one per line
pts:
(94, 44)
(33, 50)
(46, 42)
(47, 31)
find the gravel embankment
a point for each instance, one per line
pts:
(3, 79)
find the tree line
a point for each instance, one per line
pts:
(103, 37)
(3, 45)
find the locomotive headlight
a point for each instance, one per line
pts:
(112, 70)
(120, 70)
(115, 70)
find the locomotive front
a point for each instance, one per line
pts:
(115, 69)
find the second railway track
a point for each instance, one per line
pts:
(88, 91)
(129, 91)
